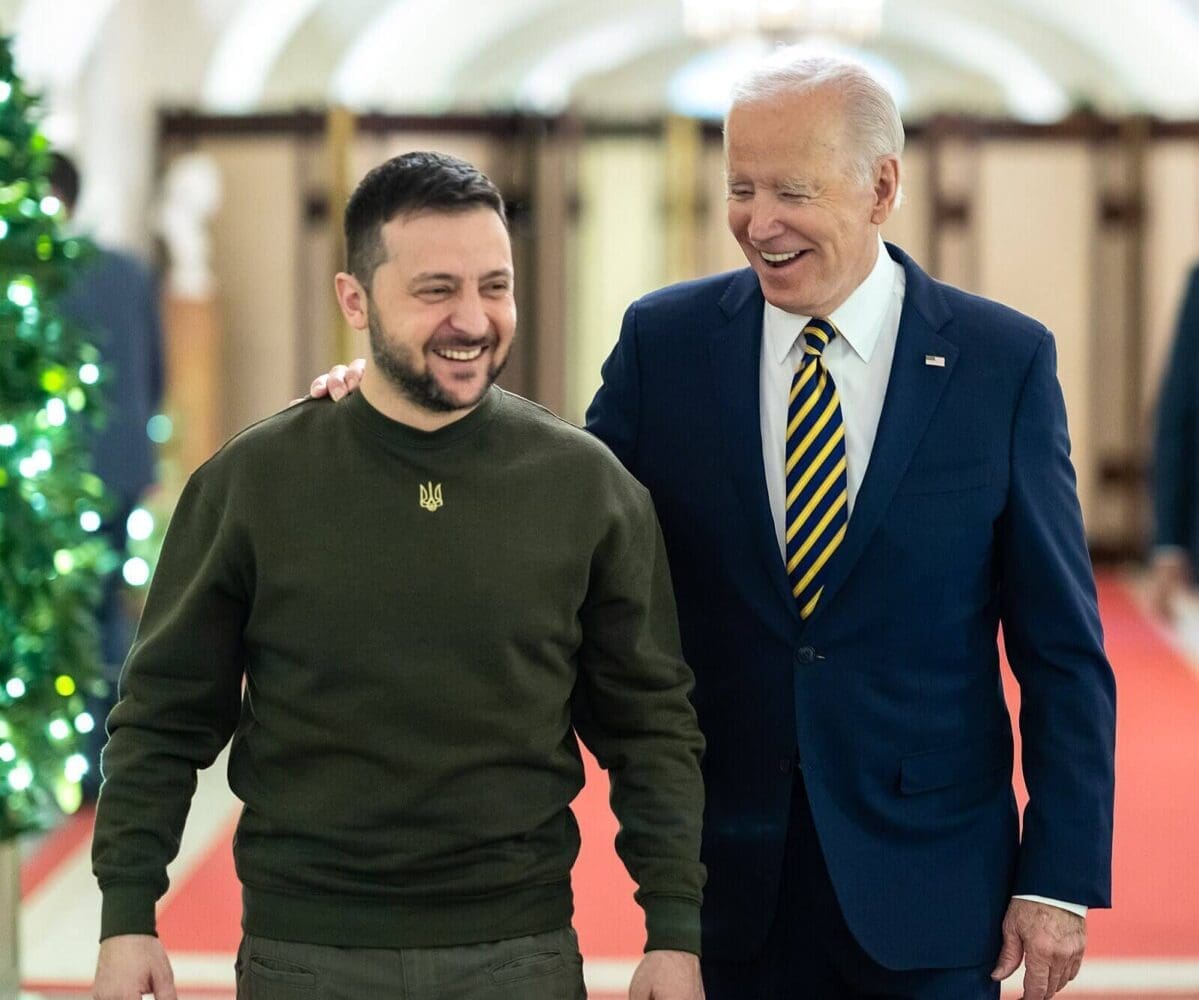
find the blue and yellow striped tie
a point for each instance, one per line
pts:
(817, 489)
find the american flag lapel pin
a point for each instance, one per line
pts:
(934, 360)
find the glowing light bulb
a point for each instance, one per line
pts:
(136, 571)
(76, 767)
(64, 562)
(89, 374)
(56, 412)
(159, 428)
(15, 688)
(43, 459)
(89, 520)
(65, 685)
(20, 294)
(140, 524)
(59, 729)
(20, 777)
(51, 205)
(8, 435)
(84, 723)
(8, 753)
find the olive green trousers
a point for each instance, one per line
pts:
(538, 967)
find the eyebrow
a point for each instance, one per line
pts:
(502, 272)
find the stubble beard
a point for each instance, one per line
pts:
(421, 389)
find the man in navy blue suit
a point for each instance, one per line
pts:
(861, 474)
(1176, 463)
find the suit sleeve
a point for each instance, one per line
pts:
(614, 413)
(631, 709)
(1054, 643)
(1175, 448)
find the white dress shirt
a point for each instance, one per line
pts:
(859, 361)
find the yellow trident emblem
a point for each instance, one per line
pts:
(430, 496)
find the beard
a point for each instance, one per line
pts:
(422, 389)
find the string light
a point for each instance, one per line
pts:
(8, 753)
(140, 524)
(20, 294)
(59, 729)
(51, 205)
(136, 571)
(20, 777)
(8, 435)
(15, 688)
(89, 374)
(76, 767)
(84, 723)
(64, 685)
(159, 428)
(56, 412)
(64, 562)
(89, 521)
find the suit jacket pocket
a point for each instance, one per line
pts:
(945, 479)
(963, 762)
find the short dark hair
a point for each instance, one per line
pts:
(64, 179)
(408, 185)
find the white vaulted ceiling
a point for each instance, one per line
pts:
(1031, 59)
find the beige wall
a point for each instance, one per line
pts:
(1036, 207)
(256, 254)
(621, 252)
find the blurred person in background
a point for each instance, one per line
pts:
(1176, 464)
(116, 298)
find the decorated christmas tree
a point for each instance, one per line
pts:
(52, 560)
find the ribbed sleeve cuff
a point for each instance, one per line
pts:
(128, 908)
(671, 924)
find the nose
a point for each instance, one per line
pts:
(763, 220)
(470, 315)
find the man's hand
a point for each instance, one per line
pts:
(1050, 940)
(131, 965)
(340, 381)
(1169, 577)
(667, 975)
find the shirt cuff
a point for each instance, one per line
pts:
(1076, 908)
(671, 924)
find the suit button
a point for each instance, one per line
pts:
(805, 655)
(785, 765)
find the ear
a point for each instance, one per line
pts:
(886, 189)
(353, 300)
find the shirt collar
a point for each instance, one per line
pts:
(859, 319)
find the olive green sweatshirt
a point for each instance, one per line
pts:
(402, 632)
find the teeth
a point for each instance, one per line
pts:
(778, 258)
(453, 355)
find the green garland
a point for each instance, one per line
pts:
(52, 562)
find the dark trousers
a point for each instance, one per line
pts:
(810, 953)
(538, 967)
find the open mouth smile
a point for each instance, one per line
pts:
(459, 354)
(778, 260)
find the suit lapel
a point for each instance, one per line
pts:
(913, 392)
(735, 354)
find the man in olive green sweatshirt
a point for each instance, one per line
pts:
(404, 722)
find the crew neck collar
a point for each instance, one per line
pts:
(406, 436)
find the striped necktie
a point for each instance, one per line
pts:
(817, 489)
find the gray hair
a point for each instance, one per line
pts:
(874, 121)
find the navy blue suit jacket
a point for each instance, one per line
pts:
(1176, 448)
(889, 696)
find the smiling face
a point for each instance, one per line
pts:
(440, 311)
(806, 222)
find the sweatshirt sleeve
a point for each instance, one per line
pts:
(180, 695)
(632, 711)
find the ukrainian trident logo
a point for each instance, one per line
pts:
(430, 496)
